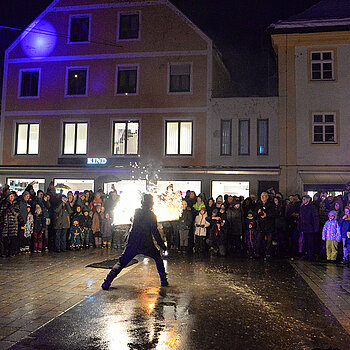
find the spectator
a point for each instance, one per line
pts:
(234, 227)
(28, 229)
(344, 224)
(106, 231)
(331, 234)
(185, 223)
(39, 229)
(96, 226)
(201, 225)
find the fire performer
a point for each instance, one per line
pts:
(140, 241)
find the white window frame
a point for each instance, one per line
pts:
(69, 28)
(134, 65)
(191, 78)
(321, 62)
(70, 121)
(87, 80)
(118, 25)
(15, 136)
(128, 155)
(182, 120)
(323, 124)
(20, 82)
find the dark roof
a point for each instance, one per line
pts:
(325, 15)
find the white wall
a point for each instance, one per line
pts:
(322, 97)
(237, 108)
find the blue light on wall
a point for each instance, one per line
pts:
(262, 150)
(40, 41)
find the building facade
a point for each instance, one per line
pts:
(94, 88)
(313, 61)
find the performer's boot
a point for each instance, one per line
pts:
(111, 276)
(163, 280)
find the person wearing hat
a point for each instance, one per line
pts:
(308, 225)
(332, 235)
(140, 241)
(23, 215)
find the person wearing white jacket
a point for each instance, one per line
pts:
(200, 232)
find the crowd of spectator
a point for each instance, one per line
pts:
(271, 226)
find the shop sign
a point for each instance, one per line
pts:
(96, 161)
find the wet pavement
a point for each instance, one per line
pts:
(212, 303)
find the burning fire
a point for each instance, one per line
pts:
(167, 206)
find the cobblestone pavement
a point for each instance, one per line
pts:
(212, 303)
(331, 284)
(35, 289)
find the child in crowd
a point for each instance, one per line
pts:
(86, 223)
(344, 224)
(28, 229)
(75, 236)
(106, 231)
(331, 234)
(250, 238)
(39, 229)
(96, 226)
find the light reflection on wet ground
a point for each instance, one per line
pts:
(212, 303)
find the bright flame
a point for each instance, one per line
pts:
(167, 206)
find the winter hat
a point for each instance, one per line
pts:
(215, 211)
(332, 213)
(25, 193)
(250, 215)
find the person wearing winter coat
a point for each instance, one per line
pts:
(308, 226)
(250, 238)
(106, 231)
(96, 226)
(344, 224)
(332, 235)
(44, 201)
(140, 241)
(235, 227)
(75, 237)
(77, 214)
(9, 222)
(198, 206)
(23, 214)
(86, 223)
(39, 229)
(61, 220)
(200, 232)
(217, 236)
(28, 229)
(185, 223)
(265, 216)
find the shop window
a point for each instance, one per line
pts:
(75, 138)
(126, 138)
(19, 185)
(180, 77)
(126, 80)
(129, 26)
(231, 188)
(77, 79)
(244, 137)
(27, 139)
(226, 137)
(263, 136)
(322, 65)
(29, 83)
(79, 29)
(179, 138)
(324, 128)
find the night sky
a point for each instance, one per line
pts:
(237, 27)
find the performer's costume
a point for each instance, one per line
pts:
(140, 241)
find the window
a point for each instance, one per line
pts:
(180, 77)
(178, 138)
(75, 138)
(226, 137)
(126, 80)
(126, 138)
(27, 139)
(77, 81)
(324, 128)
(129, 26)
(29, 82)
(263, 136)
(79, 29)
(244, 137)
(322, 65)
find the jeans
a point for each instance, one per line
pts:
(61, 240)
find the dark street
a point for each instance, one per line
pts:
(211, 303)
